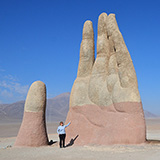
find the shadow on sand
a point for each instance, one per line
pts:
(149, 141)
(72, 141)
(52, 142)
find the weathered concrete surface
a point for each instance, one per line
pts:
(33, 128)
(104, 125)
(109, 83)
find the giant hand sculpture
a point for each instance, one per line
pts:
(105, 105)
(33, 128)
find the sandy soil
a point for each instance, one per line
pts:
(148, 151)
(11, 129)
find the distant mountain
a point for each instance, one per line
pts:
(149, 114)
(11, 112)
(57, 109)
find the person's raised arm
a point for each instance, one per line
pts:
(67, 124)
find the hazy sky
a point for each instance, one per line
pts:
(40, 40)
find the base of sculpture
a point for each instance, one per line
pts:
(33, 130)
(121, 123)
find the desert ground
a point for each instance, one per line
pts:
(147, 151)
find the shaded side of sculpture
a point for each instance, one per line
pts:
(33, 128)
(105, 105)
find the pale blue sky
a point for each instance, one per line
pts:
(40, 40)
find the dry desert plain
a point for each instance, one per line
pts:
(147, 151)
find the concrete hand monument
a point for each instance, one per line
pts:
(33, 128)
(105, 105)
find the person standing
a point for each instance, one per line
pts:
(62, 133)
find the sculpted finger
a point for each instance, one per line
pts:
(33, 128)
(100, 66)
(124, 62)
(97, 91)
(36, 98)
(79, 93)
(102, 41)
(86, 50)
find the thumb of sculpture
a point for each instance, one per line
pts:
(33, 128)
